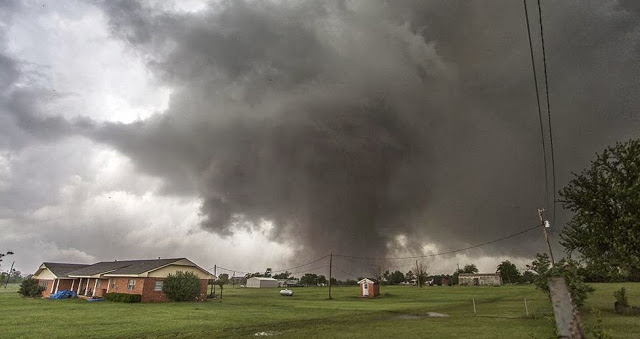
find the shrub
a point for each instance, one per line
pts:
(621, 297)
(566, 268)
(182, 286)
(123, 297)
(30, 288)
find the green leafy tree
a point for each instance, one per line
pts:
(396, 277)
(309, 279)
(409, 275)
(283, 275)
(527, 277)
(30, 288)
(605, 200)
(568, 269)
(508, 271)
(471, 268)
(322, 279)
(182, 286)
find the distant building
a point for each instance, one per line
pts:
(480, 279)
(369, 288)
(288, 282)
(261, 282)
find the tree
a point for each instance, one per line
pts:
(222, 280)
(508, 272)
(568, 269)
(409, 275)
(267, 272)
(309, 279)
(322, 280)
(283, 275)
(605, 200)
(396, 277)
(421, 274)
(471, 268)
(30, 288)
(182, 286)
(527, 277)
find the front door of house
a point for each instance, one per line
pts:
(365, 289)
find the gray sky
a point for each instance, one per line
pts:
(255, 133)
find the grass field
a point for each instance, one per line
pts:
(400, 311)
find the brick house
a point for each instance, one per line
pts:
(144, 277)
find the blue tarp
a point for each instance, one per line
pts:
(64, 294)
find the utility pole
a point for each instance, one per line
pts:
(215, 274)
(233, 280)
(9, 276)
(330, 264)
(417, 274)
(544, 223)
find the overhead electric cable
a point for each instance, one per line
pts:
(442, 253)
(535, 85)
(345, 272)
(274, 271)
(546, 86)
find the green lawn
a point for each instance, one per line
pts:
(244, 312)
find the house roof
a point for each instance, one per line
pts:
(125, 267)
(263, 278)
(367, 280)
(61, 270)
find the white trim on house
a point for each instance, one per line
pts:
(95, 286)
(73, 282)
(57, 285)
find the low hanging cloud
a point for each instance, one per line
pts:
(340, 125)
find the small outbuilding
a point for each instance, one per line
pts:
(480, 279)
(261, 282)
(369, 288)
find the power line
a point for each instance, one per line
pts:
(546, 86)
(443, 253)
(535, 84)
(345, 272)
(274, 271)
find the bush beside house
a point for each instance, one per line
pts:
(182, 286)
(30, 288)
(123, 297)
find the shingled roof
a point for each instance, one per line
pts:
(61, 270)
(122, 267)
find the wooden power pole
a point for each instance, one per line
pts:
(544, 223)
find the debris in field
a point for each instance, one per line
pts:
(264, 334)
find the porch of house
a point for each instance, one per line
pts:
(84, 287)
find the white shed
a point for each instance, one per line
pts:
(260, 282)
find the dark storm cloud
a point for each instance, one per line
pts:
(346, 123)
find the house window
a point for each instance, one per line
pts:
(132, 284)
(112, 282)
(158, 285)
(98, 284)
(43, 284)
